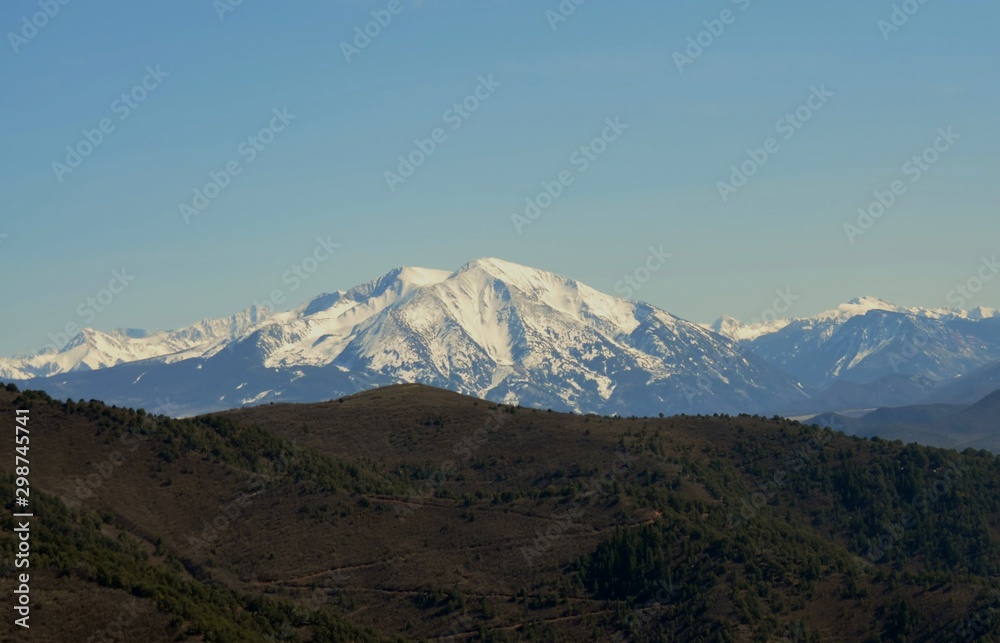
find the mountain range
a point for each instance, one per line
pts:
(518, 335)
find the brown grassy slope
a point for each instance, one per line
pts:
(408, 426)
(481, 513)
(69, 609)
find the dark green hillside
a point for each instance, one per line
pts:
(423, 514)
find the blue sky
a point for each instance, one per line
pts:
(217, 81)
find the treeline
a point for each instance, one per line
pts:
(880, 518)
(244, 447)
(71, 543)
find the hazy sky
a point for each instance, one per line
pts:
(874, 96)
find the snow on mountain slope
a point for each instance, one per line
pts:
(493, 329)
(868, 339)
(738, 331)
(491, 315)
(92, 349)
(863, 305)
(315, 333)
(735, 329)
(511, 333)
(501, 330)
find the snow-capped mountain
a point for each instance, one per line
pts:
(868, 339)
(91, 349)
(493, 329)
(737, 330)
(864, 305)
(510, 333)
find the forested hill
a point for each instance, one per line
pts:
(419, 514)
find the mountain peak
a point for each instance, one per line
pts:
(863, 305)
(726, 324)
(493, 262)
(855, 307)
(550, 286)
(869, 303)
(503, 270)
(981, 312)
(408, 275)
